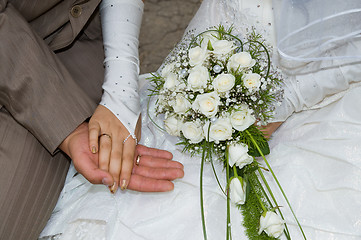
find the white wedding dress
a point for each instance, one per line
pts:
(316, 154)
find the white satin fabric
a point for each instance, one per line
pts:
(316, 154)
(307, 30)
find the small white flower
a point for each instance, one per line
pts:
(238, 190)
(252, 81)
(171, 81)
(168, 69)
(223, 47)
(242, 118)
(198, 78)
(173, 125)
(238, 154)
(272, 224)
(197, 55)
(193, 131)
(180, 104)
(224, 82)
(207, 104)
(239, 61)
(220, 130)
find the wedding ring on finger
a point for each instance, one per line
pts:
(138, 160)
(105, 134)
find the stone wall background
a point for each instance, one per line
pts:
(164, 22)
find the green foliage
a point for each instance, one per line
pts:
(258, 137)
(252, 211)
(156, 84)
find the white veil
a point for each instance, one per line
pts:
(308, 29)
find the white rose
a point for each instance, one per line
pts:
(238, 154)
(237, 189)
(198, 78)
(208, 37)
(193, 131)
(180, 104)
(207, 104)
(220, 130)
(224, 82)
(171, 81)
(222, 47)
(272, 224)
(252, 81)
(242, 118)
(168, 69)
(240, 61)
(173, 125)
(197, 55)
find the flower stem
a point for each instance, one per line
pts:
(216, 176)
(201, 195)
(228, 200)
(278, 183)
(287, 233)
(258, 198)
(235, 171)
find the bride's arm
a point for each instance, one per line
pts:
(113, 129)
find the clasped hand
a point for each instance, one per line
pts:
(116, 147)
(154, 173)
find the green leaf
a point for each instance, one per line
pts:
(259, 138)
(209, 46)
(252, 150)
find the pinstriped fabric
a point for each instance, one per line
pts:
(32, 73)
(52, 20)
(31, 9)
(59, 32)
(70, 31)
(34, 181)
(45, 97)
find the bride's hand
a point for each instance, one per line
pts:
(109, 137)
(270, 128)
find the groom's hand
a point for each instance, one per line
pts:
(154, 173)
(154, 170)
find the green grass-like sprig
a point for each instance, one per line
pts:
(252, 211)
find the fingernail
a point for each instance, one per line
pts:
(124, 185)
(113, 188)
(94, 149)
(106, 182)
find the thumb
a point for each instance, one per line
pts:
(92, 173)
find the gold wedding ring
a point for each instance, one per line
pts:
(138, 160)
(105, 134)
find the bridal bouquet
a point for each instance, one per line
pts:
(215, 91)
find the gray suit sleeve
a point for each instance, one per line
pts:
(35, 87)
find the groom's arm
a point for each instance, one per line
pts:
(35, 87)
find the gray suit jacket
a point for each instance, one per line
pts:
(35, 86)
